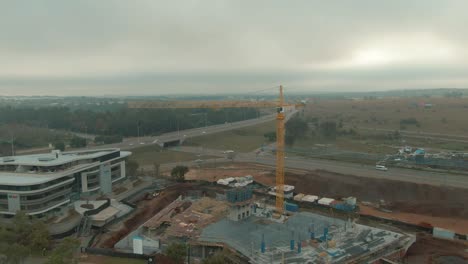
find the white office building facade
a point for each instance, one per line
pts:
(40, 183)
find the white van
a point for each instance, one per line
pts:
(381, 167)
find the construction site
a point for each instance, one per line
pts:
(262, 214)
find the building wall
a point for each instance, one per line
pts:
(35, 201)
(41, 198)
(105, 179)
(240, 212)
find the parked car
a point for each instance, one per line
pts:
(381, 167)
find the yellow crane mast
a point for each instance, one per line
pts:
(280, 131)
(280, 154)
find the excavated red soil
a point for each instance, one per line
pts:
(146, 209)
(400, 196)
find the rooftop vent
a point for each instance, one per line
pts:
(8, 159)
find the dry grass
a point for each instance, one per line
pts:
(149, 155)
(447, 115)
(243, 139)
(373, 119)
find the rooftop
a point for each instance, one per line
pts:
(28, 176)
(56, 158)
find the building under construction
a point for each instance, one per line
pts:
(239, 221)
(307, 238)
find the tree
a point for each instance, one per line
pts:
(177, 252)
(65, 252)
(131, 168)
(108, 139)
(296, 127)
(78, 142)
(156, 169)
(22, 237)
(178, 173)
(59, 145)
(270, 136)
(289, 139)
(39, 238)
(16, 253)
(328, 129)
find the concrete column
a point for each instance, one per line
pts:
(122, 169)
(84, 182)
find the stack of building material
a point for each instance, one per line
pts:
(298, 197)
(226, 181)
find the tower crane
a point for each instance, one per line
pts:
(280, 131)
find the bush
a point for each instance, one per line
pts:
(176, 252)
(77, 142)
(60, 146)
(409, 121)
(131, 168)
(270, 136)
(178, 173)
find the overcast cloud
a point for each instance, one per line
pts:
(164, 47)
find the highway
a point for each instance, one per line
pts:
(293, 162)
(348, 168)
(134, 142)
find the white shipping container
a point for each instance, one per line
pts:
(325, 201)
(310, 198)
(443, 233)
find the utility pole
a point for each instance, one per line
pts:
(12, 146)
(138, 132)
(205, 118)
(178, 130)
(86, 135)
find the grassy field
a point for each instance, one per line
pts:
(242, 140)
(149, 155)
(375, 119)
(447, 115)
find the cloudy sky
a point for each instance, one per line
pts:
(204, 46)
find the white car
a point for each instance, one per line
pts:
(381, 167)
